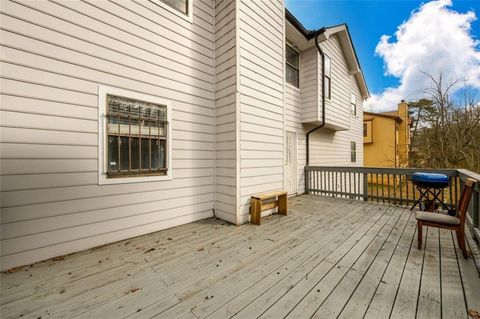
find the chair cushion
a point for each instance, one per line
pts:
(438, 218)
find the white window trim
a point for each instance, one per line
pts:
(102, 136)
(188, 16)
(328, 97)
(299, 63)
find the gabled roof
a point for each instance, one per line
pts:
(343, 34)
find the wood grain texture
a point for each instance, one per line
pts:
(329, 257)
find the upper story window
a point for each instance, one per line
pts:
(135, 139)
(292, 66)
(367, 132)
(353, 105)
(328, 77)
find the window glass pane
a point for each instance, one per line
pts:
(365, 130)
(292, 57)
(328, 89)
(135, 154)
(112, 153)
(292, 76)
(124, 153)
(328, 66)
(180, 5)
(353, 151)
(145, 153)
(353, 109)
(155, 154)
(163, 157)
(137, 123)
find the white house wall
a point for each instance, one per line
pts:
(337, 109)
(225, 110)
(51, 68)
(223, 71)
(261, 88)
(327, 147)
(310, 70)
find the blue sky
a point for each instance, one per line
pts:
(368, 21)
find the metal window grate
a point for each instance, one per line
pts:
(136, 137)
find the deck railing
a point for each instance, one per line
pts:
(388, 185)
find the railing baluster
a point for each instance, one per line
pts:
(400, 189)
(383, 190)
(394, 188)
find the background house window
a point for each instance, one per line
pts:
(328, 77)
(353, 152)
(367, 132)
(180, 5)
(292, 66)
(136, 133)
(353, 105)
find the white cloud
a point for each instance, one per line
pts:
(435, 39)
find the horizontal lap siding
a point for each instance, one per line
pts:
(330, 147)
(261, 42)
(225, 104)
(310, 68)
(337, 109)
(51, 67)
(327, 147)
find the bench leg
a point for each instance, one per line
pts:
(256, 211)
(282, 205)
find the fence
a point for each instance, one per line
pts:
(388, 185)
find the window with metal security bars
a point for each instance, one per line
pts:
(292, 65)
(136, 137)
(353, 152)
(180, 5)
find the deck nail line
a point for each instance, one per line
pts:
(318, 264)
(403, 271)
(460, 272)
(333, 266)
(370, 264)
(421, 272)
(290, 272)
(389, 260)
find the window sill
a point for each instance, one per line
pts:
(292, 86)
(187, 17)
(104, 180)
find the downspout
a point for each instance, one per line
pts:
(317, 33)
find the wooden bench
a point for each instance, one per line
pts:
(257, 206)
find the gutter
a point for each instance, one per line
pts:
(317, 33)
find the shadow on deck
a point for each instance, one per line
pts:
(328, 258)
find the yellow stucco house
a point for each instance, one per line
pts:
(386, 138)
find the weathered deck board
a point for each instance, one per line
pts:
(328, 258)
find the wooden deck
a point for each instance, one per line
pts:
(329, 258)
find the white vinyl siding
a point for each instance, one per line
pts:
(223, 72)
(327, 147)
(262, 48)
(51, 69)
(225, 111)
(310, 73)
(337, 108)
